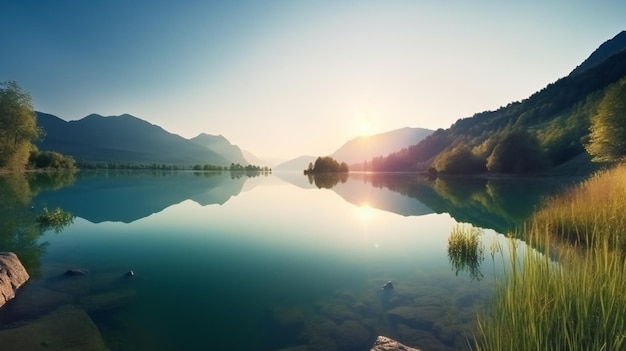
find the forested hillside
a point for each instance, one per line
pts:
(545, 131)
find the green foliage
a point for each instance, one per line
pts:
(327, 164)
(459, 160)
(51, 160)
(18, 126)
(517, 152)
(465, 250)
(608, 126)
(56, 219)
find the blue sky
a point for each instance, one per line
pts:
(286, 78)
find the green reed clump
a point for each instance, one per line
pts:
(465, 250)
(572, 295)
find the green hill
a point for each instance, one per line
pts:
(543, 132)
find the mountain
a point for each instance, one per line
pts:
(222, 146)
(122, 139)
(544, 132)
(364, 148)
(297, 164)
(255, 160)
(604, 51)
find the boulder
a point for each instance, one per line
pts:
(12, 276)
(384, 343)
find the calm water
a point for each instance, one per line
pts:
(264, 262)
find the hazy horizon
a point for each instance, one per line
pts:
(283, 79)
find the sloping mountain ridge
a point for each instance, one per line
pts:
(556, 119)
(604, 51)
(363, 148)
(121, 139)
(297, 164)
(222, 146)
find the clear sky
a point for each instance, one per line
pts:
(287, 78)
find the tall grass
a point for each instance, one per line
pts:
(465, 250)
(569, 293)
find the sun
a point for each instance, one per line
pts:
(362, 123)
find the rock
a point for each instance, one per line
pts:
(108, 301)
(352, 335)
(12, 276)
(67, 328)
(337, 310)
(322, 343)
(322, 326)
(422, 317)
(388, 286)
(34, 301)
(76, 272)
(384, 343)
(420, 337)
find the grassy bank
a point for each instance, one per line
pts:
(570, 293)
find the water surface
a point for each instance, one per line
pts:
(232, 262)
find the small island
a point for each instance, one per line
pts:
(326, 164)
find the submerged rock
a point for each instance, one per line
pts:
(35, 300)
(388, 286)
(76, 272)
(67, 328)
(384, 343)
(12, 276)
(107, 301)
(352, 335)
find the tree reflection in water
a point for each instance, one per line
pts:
(19, 227)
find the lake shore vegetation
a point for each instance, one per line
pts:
(568, 292)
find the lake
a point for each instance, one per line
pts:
(241, 261)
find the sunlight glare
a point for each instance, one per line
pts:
(362, 122)
(365, 212)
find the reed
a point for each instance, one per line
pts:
(570, 292)
(465, 250)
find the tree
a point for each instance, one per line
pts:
(608, 127)
(18, 126)
(459, 160)
(327, 165)
(517, 152)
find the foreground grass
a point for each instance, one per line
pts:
(570, 294)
